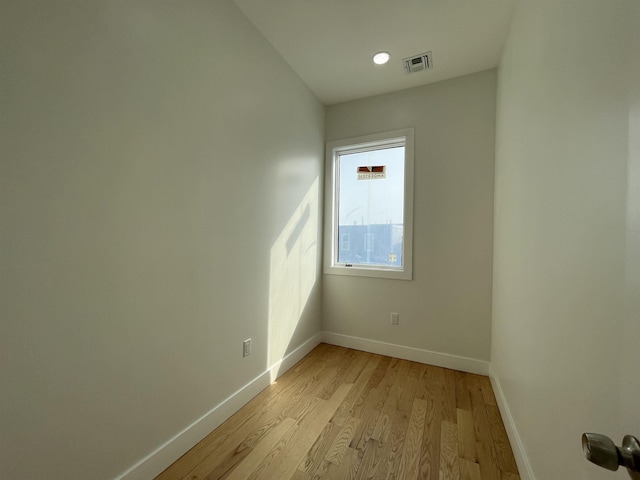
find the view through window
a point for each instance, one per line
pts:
(371, 206)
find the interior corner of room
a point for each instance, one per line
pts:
(163, 202)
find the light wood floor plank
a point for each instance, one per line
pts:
(488, 467)
(462, 392)
(383, 425)
(371, 393)
(399, 425)
(348, 468)
(339, 447)
(374, 405)
(316, 453)
(274, 455)
(410, 462)
(430, 455)
(504, 454)
(251, 412)
(449, 466)
(449, 410)
(484, 441)
(466, 436)
(344, 366)
(343, 414)
(408, 387)
(469, 470)
(358, 364)
(487, 391)
(422, 389)
(509, 476)
(380, 450)
(368, 459)
(262, 449)
(212, 465)
(362, 381)
(305, 437)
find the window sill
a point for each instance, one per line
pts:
(371, 272)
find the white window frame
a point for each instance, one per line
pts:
(331, 240)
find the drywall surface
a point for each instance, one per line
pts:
(161, 168)
(446, 308)
(566, 258)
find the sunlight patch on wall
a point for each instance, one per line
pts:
(292, 275)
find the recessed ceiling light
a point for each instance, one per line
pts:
(381, 58)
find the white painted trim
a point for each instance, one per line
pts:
(524, 467)
(167, 453)
(438, 359)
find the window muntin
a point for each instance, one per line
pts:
(369, 201)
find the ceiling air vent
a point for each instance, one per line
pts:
(418, 63)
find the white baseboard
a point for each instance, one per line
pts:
(158, 460)
(445, 360)
(524, 467)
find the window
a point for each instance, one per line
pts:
(368, 229)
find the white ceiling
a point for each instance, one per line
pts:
(329, 43)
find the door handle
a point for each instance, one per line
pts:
(601, 450)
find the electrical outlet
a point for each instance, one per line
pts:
(395, 318)
(246, 347)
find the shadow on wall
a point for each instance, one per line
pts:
(293, 274)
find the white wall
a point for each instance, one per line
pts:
(567, 236)
(446, 308)
(159, 159)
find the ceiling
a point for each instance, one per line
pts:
(330, 43)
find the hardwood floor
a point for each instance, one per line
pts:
(345, 414)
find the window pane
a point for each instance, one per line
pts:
(371, 207)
